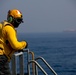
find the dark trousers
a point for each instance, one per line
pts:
(4, 66)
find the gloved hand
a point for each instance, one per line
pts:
(26, 45)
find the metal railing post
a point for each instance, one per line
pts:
(28, 59)
(27, 50)
(21, 64)
(33, 64)
(33, 61)
(13, 64)
(36, 70)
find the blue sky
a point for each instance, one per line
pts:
(42, 15)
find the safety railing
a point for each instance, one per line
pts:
(14, 69)
(35, 64)
(21, 61)
(45, 62)
(39, 66)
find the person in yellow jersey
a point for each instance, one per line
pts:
(9, 43)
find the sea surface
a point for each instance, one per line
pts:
(58, 49)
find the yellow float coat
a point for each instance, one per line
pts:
(9, 42)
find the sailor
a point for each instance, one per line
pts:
(9, 43)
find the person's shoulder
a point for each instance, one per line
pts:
(8, 28)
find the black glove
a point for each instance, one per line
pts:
(26, 45)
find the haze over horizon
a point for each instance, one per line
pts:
(43, 15)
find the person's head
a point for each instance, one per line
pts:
(15, 17)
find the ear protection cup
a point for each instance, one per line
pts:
(10, 19)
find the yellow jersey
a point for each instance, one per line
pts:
(9, 42)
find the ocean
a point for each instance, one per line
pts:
(58, 49)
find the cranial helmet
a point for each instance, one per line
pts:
(15, 17)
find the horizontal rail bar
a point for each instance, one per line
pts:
(18, 54)
(25, 50)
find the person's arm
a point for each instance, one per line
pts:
(12, 39)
